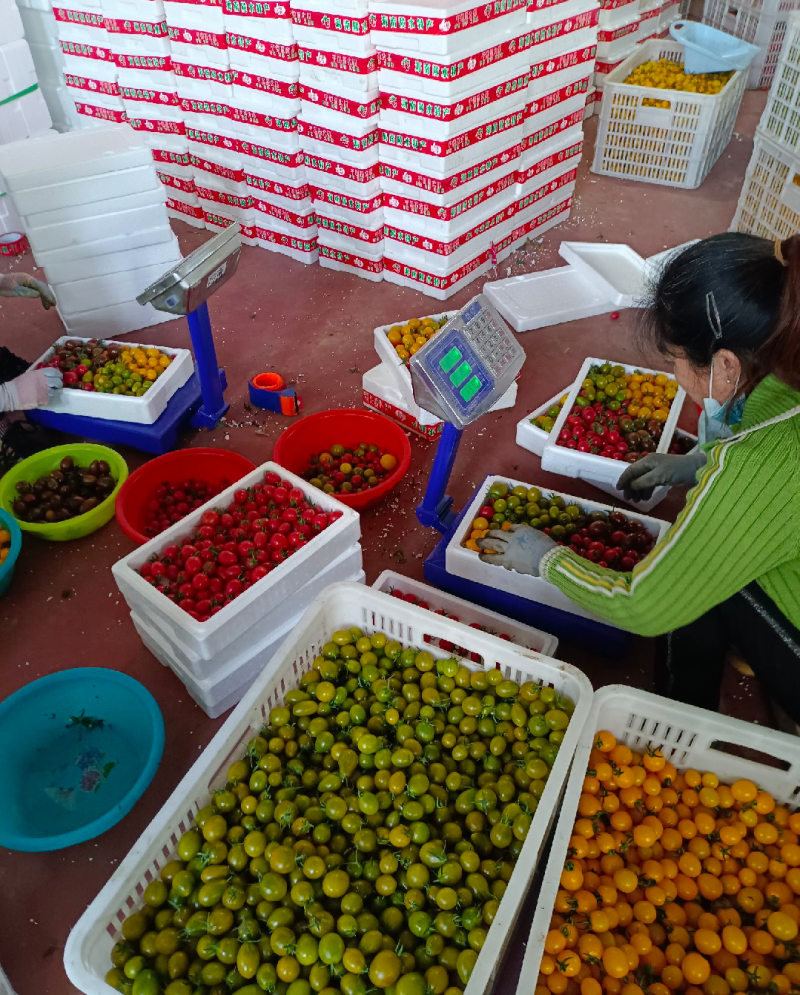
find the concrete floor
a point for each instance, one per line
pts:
(315, 327)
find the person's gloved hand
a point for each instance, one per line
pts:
(32, 390)
(660, 470)
(25, 285)
(521, 548)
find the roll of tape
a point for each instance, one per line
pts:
(13, 243)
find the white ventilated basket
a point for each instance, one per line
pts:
(591, 466)
(468, 614)
(689, 737)
(769, 204)
(762, 24)
(781, 118)
(88, 949)
(673, 146)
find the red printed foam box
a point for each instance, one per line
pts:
(367, 242)
(615, 12)
(91, 61)
(455, 229)
(197, 15)
(547, 108)
(267, 20)
(358, 147)
(272, 164)
(190, 214)
(138, 35)
(97, 92)
(558, 69)
(445, 118)
(170, 153)
(319, 24)
(344, 261)
(618, 41)
(298, 220)
(449, 28)
(179, 188)
(294, 196)
(238, 208)
(262, 59)
(548, 158)
(303, 250)
(270, 95)
(554, 21)
(364, 212)
(199, 47)
(77, 23)
(217, 222)
(569, 127)
(146, 72)
(198, 81)
(342, 109)
(253, 126)
(648, 24)
(154, 110)
(327, 68)
(418, 151)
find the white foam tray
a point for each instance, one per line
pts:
(590, 466)
(139, 410)
(98, 228)
(117, 319)
(89, 195)
(467, 563)
(68, 270)
(208, 639)
(528, 435)
(88, 948)
(614, 269)
(156, 234)
(548, 297)
(109, 288)
(469, 614)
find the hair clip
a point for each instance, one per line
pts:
(714, 322)
(779, 252)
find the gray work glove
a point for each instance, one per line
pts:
(25, 285)
(31, 390)
(521, 548)
(660, 470)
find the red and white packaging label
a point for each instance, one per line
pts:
(287, 191)
(177, 183)
(248, 231)
(340, 139)
(604, 68)
(198, 162)
(427, 146)
(548, 100)
(201, 3)
(340, 61)
(564, 155)
(442, 185)
(101, 113)
(403, 417)
(566, 61)
(258, 120)
(409, 24)
(66, 16)
(172, 158)
(614, 4)
(290, 241)
(282, 214)
(569, 176)
(342, 105)
(189, 36)
(212, 73)
(439, 248)
(424, 209)
(349, 259)
(255, 46)
(86, 51)
(554, 128)
(625, 29)
(181, 207)
(227, 199)
(339, 23)
(291, 160)
(129, 26)
(335, 199)
(428, 69)
(257, 8)
(366, 235)
(264, 84)
(166, 98)
(157, 126)
(210, 107)
(213, 139)
(94, 85)
(425, 107)
(158, 63)
(356, 174)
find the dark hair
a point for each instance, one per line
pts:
(731, 291)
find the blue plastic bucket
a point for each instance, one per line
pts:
(707, 50)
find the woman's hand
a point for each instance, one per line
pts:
(32, 390)
(641, 478)
(25, 285)
(521, 548)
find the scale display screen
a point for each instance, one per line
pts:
(468, 366)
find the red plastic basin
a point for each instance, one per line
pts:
(315, 433)
(214, 466)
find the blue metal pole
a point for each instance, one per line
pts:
(434, 509)
(208, 372)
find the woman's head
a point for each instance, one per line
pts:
(728, 309)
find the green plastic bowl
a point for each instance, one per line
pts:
(42, 463)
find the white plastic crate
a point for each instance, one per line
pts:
(207, 639)
(467, 563)
(591, 466)
(672, 146)
(689, 738)
(465, 612)
(769, 203)
(760, 24)
(88, 948)
(781, 118)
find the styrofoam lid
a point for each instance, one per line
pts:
(549, 297)
(57, 158)
(615, 270)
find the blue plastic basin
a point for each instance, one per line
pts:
(8, 522)
(80, 747)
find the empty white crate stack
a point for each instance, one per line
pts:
(769, 204)
(23, 111)
(95, 215)
(761, 23)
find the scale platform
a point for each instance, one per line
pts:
(158, 438)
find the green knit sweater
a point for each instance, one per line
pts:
(741, 523)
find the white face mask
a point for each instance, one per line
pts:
(716, 419)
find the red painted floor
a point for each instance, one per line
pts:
(315, 327)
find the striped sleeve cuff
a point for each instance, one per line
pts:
(547, 561)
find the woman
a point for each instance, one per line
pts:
(726, 312)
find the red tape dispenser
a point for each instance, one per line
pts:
(268, 391)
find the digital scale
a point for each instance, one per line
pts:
(458, 375)
(183, 290)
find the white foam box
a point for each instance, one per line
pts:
(590, 466)
(39, 26)
(450, 227)
(88, 191)
(81, 27)
(11, 29)
(443, 159)
(69, 234)
(213, 54)
(617, 42)
(108, 245)
(353, 245)
(442, 28)
(545, 298)
(443, 603)
(381, 392)
(613, 12)
(17, 71)
(107, 289)
(24, 118)
(235, 657)
(447, 192)
(305, 252)
(272, 23)
(48, 60)
(466, 563)
(263, 59)
(207, 639)
(161, 80)
(118, 407)
(67, 269)
(149, 10)
(529, 436)
(195, 16)
(10, 220)
(55, 217)
(117, 319)
(326, 67)
(346, 262)
(320, 24)
(615, 269)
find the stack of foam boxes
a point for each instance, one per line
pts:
(265, 103)
(453, 91)
(339, 105)
(23, 111)
(41, 34)
(562, 47)
(95, 216)
(618, 34)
